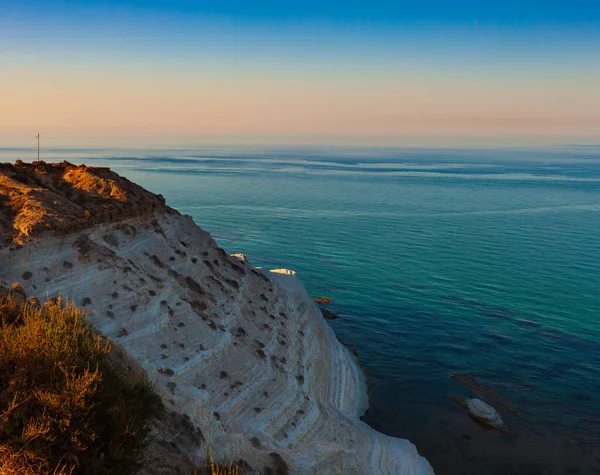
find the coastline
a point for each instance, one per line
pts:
(436, 313)
(367, 375)
(245, 355)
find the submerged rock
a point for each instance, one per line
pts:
(484, 392)
(485, 413)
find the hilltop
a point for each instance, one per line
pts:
(63, 198)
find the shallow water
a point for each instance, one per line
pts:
(438, 261)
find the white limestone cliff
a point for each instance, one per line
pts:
(245, 354)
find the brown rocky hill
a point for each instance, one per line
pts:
(42, 197)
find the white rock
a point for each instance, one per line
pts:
(484, 413)
(245, 354)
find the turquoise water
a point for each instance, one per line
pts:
(438, 261)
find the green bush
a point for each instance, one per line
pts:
(64, 408)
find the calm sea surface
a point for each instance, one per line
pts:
(438, 261)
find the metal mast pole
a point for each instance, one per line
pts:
(38, 143)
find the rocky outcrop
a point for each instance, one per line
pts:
(242, 355)
(63, 198)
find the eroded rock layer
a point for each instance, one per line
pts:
(242, 354)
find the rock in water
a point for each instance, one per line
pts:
(328, 314)
(485, 413)
(482, 391)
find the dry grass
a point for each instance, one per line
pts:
(231, 469)
(214, 468)
(64, 410)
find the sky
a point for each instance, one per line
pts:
(183, 72)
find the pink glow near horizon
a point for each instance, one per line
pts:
(62, 92)
(274, 106)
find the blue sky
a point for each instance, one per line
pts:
(507, 12)
(312, 67)
(558, 30)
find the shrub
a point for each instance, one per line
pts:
(214, 468)
(64, 408)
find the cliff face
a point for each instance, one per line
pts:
(244, 355)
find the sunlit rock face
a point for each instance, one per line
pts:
(243, 354)
(59, 198)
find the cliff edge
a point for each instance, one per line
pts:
(242, 355)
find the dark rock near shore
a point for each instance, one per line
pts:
(328, 314)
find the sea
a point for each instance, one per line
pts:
(483, 261)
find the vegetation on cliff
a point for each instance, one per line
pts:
(64, 407)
